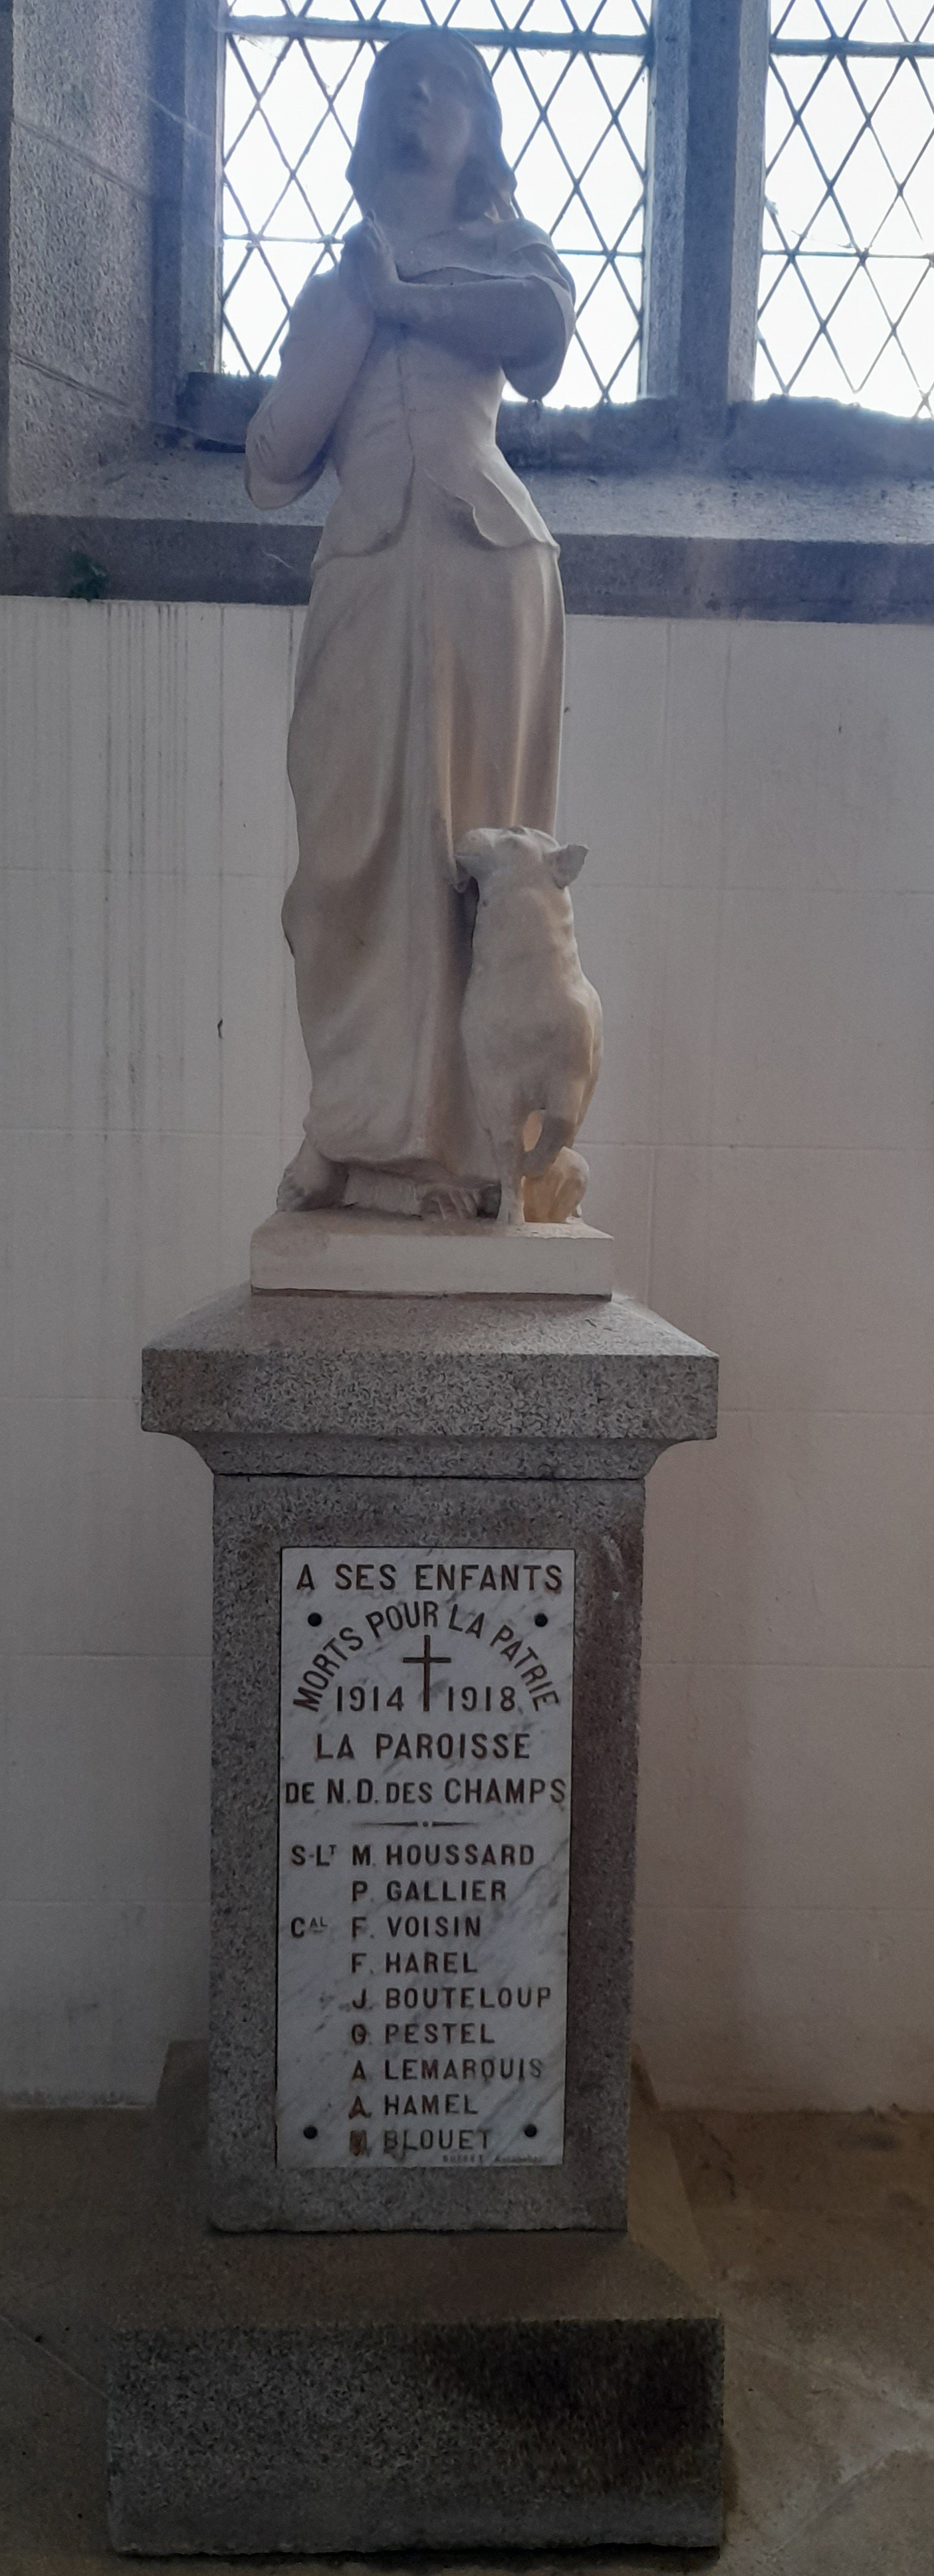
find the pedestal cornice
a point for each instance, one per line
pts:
(322, 1385)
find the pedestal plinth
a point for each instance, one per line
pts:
(351, 1252)
(428, 1530)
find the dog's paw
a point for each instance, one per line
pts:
(552, 1196)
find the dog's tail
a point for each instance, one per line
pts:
(555, 1131)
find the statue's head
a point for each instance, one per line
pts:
(430, 105)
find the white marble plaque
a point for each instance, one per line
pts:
(424, 1837)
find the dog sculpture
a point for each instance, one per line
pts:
(532, 1025)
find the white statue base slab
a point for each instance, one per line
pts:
(356, 1253)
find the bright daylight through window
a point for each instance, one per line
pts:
(572, 79)
(847, 288)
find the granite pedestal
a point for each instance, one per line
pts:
(386, 1453)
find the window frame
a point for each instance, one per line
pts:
(692, 501)
(705, 169)
(841, 48)
(554, 50)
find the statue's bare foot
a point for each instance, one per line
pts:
(450, 1199)
(310, 1181)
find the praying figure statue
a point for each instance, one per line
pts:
(430, 678)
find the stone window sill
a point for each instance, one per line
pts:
(773, 510)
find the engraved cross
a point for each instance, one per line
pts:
(427, 1661)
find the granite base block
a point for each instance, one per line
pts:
(343, 2393)
(591, 2420)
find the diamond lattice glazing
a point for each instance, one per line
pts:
(574, 128)
(847, 282)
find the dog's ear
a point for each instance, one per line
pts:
(473, 855)
(566, 864)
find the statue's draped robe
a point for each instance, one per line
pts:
(428, 700)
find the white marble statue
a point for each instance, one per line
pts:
(429, 687)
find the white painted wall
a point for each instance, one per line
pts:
(758, 910)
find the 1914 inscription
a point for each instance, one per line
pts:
(424, 1840)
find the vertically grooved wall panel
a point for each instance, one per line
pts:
(758, 910)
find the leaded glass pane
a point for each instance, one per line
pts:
(574, 128)
(847, 283)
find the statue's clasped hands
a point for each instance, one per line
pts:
(368, 268)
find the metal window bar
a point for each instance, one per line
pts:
(847, 278)
(577, 141)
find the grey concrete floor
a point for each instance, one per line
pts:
(818, 2233)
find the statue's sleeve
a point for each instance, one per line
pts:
(531, 254)
(287, 440)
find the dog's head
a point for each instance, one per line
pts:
(491, 857)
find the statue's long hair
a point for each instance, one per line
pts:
(487, 184)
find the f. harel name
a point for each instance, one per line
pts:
(414, 2016)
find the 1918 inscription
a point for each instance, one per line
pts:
(424, 1837)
